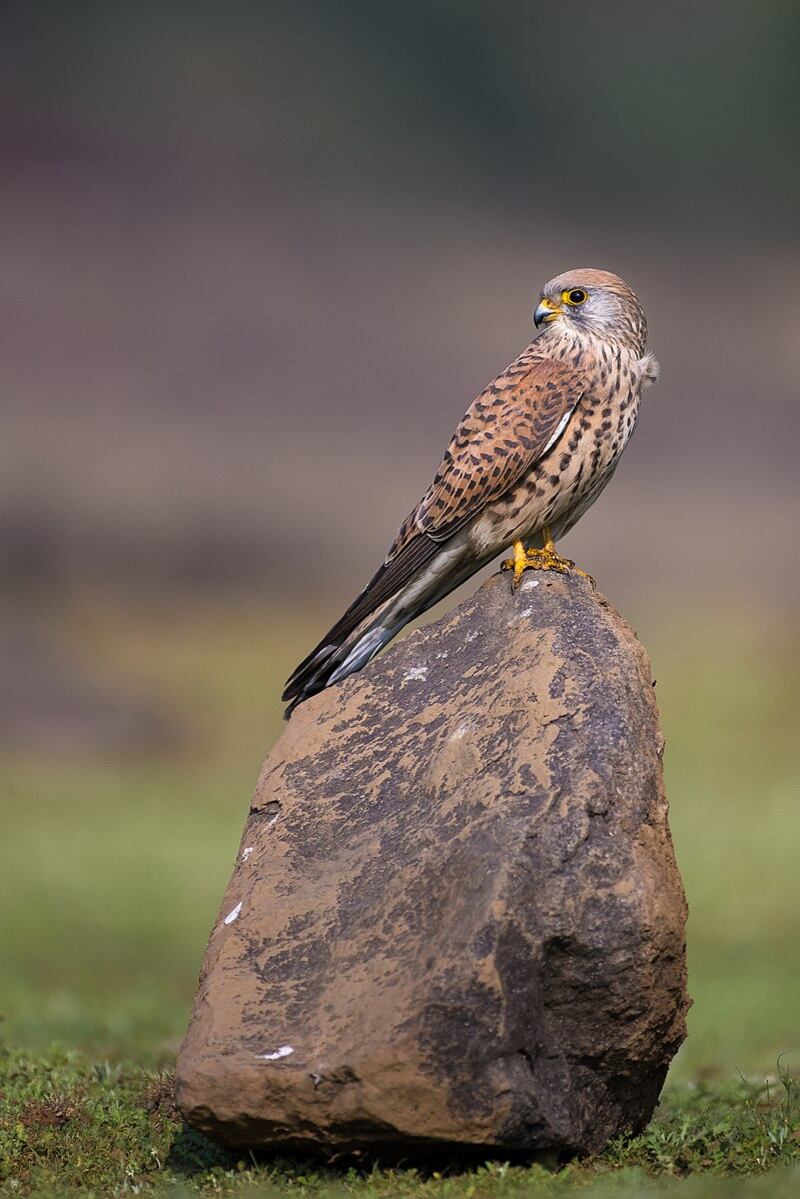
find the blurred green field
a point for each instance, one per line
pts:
(111, 871)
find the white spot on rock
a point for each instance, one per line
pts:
(234, 914)
(443, 654)
(246, 852)
(471, 636)
(415, 673)
(461, 731)
(284, 1051)
(273, 820)
(529, 584)
(519, 615)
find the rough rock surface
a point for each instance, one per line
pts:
(455, 917)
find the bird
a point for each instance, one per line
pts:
(530, 455)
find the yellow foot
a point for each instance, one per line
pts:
(547, 558)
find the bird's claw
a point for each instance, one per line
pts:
(533, 558)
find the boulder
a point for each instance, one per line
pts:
(455, 918)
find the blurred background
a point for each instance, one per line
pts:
(255, 260)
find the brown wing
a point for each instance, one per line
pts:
(503, 433)
(510, 425)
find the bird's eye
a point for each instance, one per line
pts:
(575, 296)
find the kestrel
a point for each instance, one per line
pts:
(529, 456)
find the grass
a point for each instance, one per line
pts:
(71, 1125)
(111, 872)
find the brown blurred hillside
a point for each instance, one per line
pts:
(257, 260)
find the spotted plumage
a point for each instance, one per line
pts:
(530, 455)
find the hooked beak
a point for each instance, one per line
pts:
(546, 312)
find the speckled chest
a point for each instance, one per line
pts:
(568, 479)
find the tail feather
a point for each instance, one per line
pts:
(315, 670)
(353, 653)
(364, 648)
(349, 646)
(390, 578)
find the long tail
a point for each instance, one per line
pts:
(424, 572)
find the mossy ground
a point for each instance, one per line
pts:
(111, 872)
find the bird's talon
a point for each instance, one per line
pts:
(585, 575)
(547, 558)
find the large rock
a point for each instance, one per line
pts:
(455, 916)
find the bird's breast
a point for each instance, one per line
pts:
(559, 488)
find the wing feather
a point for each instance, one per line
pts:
(513, 423)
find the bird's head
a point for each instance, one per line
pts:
(596, 302)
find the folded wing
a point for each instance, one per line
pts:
(512, 424)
